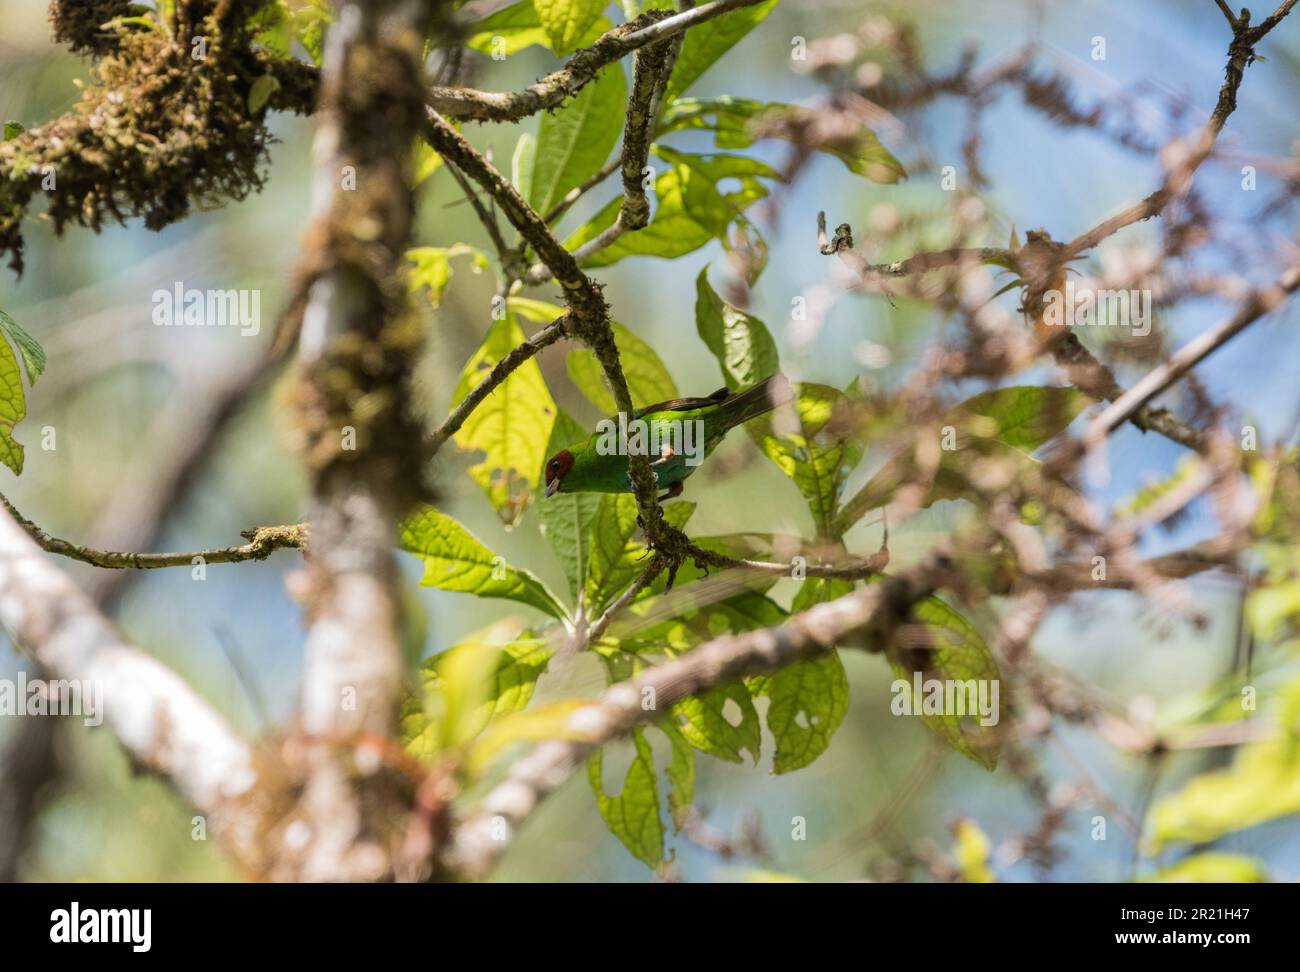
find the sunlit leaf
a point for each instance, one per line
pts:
(647, 377)
(680, 773)
(424, 164)
(29, 348)
(574, 141)
(567, 22)
(689, 212)
(1212, 867)
(721, 722)
(972, 849)
(616, 558)
(511, 427)
(813, 441)
(488, 675)
(551, 721)
(508, 31)
(741, 342)
(633, 814)
(456, 560)
(705, 44)
(13, 403)
(807, 701)
(432, 267)
(1262, 784)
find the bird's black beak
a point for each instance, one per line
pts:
(552, 485)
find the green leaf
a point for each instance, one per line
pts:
(1262, 784)
(739, 341)
(432, 267)
(633, 815)
(807, 701)
(647, 377)
(13, 403)
(956, 651)
(814, 442)
(12, 129)
(260, 92)
(469, 686)
(32, 353)
(424, 163)
(521, 164)
(517, 26)
(679, 619)
(512, 426)
(273, 30)
(551, 721)
(1005, 424)
(1212, 867)
(717, 168)
(739, 122)
(574, 141)
(567, 22)
(680, 773)
(1027, 415)
(721, 722)
(705, 44)
(615, 557)
(689, 212)
(537, 311)
(309, 24)
(567, 518)
(456, 560)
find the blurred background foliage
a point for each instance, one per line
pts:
(116, 387)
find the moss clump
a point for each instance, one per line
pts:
(165, 128)
(80, 23)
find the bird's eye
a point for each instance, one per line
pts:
(553, 465)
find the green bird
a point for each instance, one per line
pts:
(677, 435)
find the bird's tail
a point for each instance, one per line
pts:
(772, 392)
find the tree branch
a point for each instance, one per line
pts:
(1159, 379)
(650, 76)
(581, 68)
(588, 318)
(162, 722)
(262, 542)
(478, 842)
(359, 344)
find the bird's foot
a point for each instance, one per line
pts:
(673, 492)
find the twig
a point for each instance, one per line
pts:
(577, 192)
(1158, 379)
(650, 76)
(486, 218)
(1179, 178)
(581, 68)
(499, 373)
(262, 542)
(158, 718)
